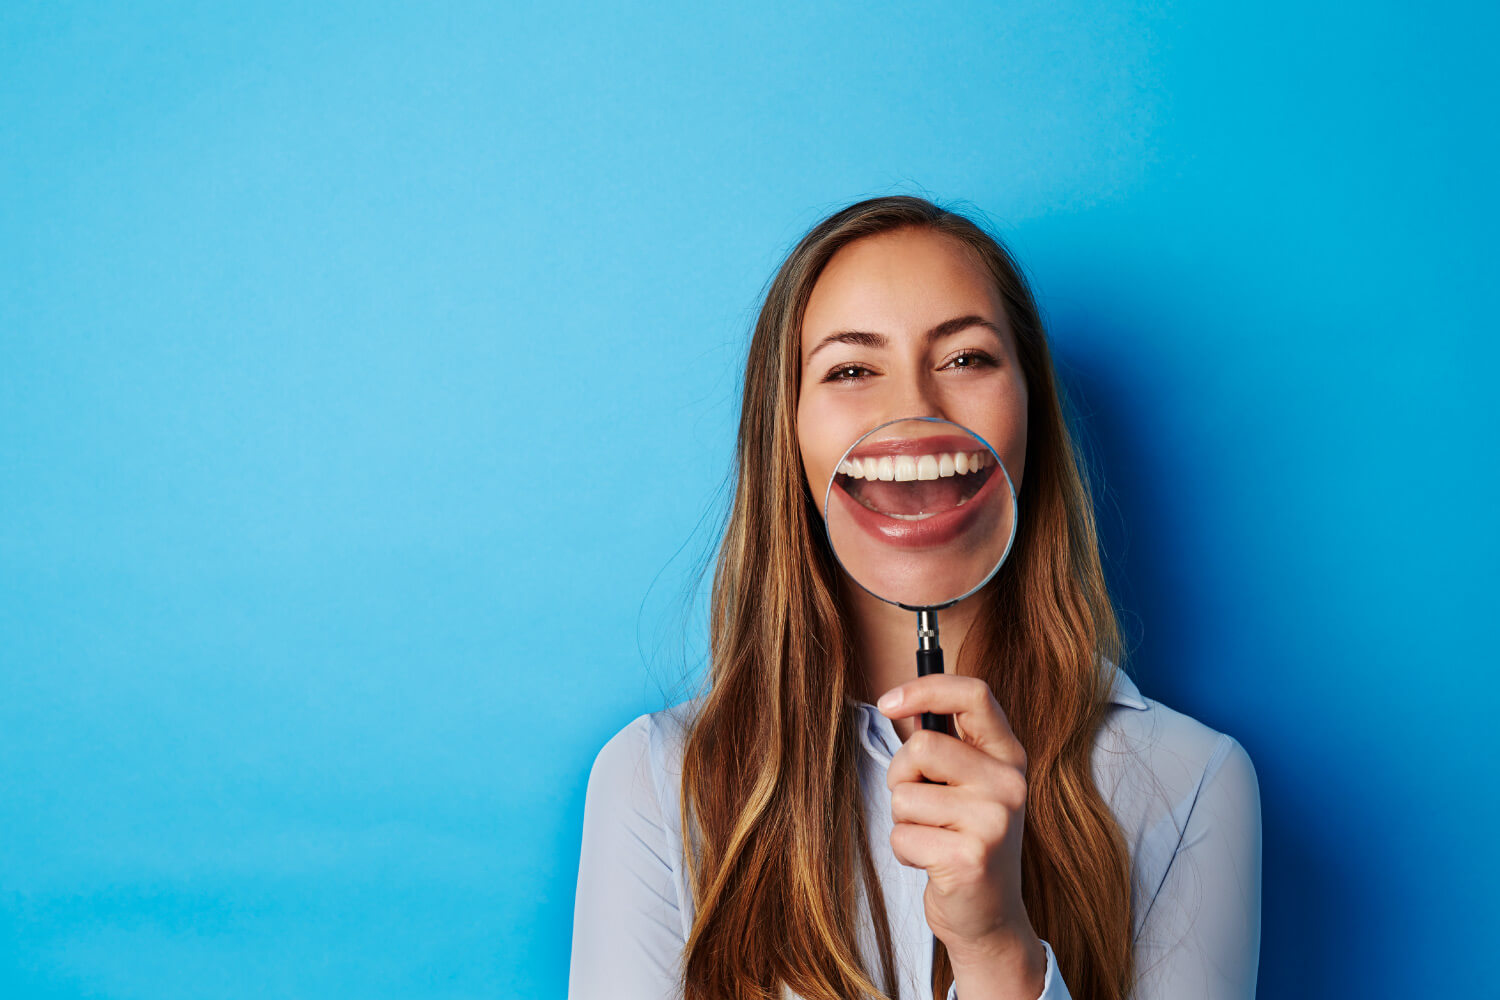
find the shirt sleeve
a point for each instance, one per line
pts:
(1053, 987)
(1201, 935)
(627, 926)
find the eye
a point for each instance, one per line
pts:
(847, 373)
(971, 358)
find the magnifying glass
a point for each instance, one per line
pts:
(921, 513)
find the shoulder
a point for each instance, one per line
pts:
(1180, 753)
(636, 775)
(644, 742)
(632, 807)
(1161, 770)
(632, 910)
(623, 756)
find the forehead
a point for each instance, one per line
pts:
(900, 284)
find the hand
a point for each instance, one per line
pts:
(967, 832)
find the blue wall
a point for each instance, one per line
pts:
(366, 374)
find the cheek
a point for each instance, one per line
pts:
(1016, 461)
(812, 463)
(817, 445)
(1010, 432)
(818, 469)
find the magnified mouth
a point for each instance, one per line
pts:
(914, 487)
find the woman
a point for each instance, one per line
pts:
(1073, 839)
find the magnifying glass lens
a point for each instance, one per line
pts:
(920, 512)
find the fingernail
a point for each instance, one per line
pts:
(890, 700)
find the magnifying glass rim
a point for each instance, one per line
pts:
(1009, 483)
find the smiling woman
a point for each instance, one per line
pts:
(780, 833)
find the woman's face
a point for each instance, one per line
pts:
(906, 324)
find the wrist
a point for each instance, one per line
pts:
(1004, 964)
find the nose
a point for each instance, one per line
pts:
(914, 394)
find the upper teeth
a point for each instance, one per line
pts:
(904, 468)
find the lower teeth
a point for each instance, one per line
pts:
(913, 517)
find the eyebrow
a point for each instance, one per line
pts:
(864, 338)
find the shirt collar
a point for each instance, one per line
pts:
(1124, 692)
(879, 735)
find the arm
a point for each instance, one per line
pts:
(1053, 987)
(627, 928)
(964, 826)
(1201, 934)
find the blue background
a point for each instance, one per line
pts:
(368, 378)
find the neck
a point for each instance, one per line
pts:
(885, 640)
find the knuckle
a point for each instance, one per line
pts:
(1013, 788)
(971, 853)
(999, 820)
(898, 842)
(920, 742)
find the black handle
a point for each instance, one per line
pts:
(930, 661)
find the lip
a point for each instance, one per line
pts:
(935, 445)
(931, 532)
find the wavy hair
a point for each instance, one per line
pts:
(770, 789)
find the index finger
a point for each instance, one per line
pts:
(979, 719)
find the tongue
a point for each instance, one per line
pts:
(921, 496)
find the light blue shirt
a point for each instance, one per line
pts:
(1185, 796)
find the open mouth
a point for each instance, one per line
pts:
(914, 487)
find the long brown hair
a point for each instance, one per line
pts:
(771, 804)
